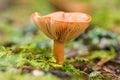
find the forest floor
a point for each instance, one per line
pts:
(26, 53)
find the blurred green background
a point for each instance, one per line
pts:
(16, 15)
(23, 45)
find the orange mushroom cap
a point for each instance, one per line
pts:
(62, 26)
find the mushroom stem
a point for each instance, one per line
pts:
(58, 52)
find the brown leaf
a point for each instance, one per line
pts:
(100, 63)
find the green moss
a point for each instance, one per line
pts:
(96, 75)
(28, 48)
(14, 76)
(102, 54)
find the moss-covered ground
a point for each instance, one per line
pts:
(26, 53)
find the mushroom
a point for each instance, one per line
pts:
(61, 27)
